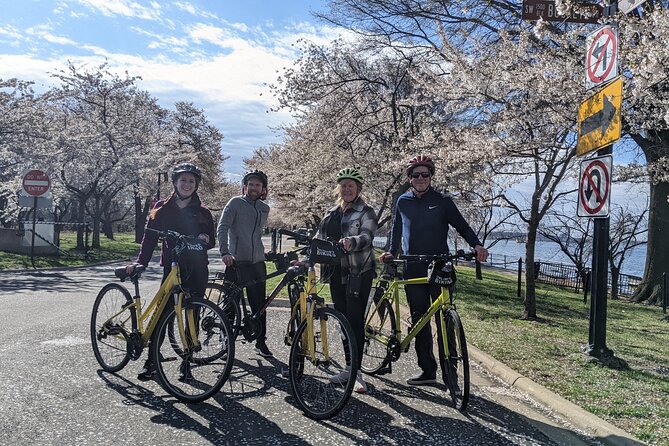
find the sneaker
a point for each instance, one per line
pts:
(423, 379)
(360, 384)
(148, 371)
(263, 350)
(340, 378)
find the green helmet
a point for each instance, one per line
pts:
(350, 173)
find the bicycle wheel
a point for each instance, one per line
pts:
(310, 376)
(228, 297)
(111, 325)
(455, 369)
(194, 374)
(379, 322)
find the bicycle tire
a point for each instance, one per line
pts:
(109, 337)
(379, 328)
(315, 394)
(172, 333)
(227, 297)
(295, 317)
(197, 375)
(455, 371)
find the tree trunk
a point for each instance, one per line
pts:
(140, 217)
(657, 253)
(530, 310)
(96, 224)
(81, 216)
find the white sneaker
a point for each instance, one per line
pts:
(340, 378)
(360, 384)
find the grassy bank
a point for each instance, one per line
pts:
(631, 392)
(122, 247)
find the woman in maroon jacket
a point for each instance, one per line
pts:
(184, 213)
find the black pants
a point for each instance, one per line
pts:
(193, 279)
(257, 293)
(420, 298)
(352, 307)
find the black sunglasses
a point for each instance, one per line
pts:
(420, 174)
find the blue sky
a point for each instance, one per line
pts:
(218, 54)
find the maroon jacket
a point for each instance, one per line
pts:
(193, 220)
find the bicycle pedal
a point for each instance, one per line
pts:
(385, 371)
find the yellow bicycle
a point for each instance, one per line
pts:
(384, 342)
(321, 340)
(190, 342)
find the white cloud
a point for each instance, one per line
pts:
(10, 31)
(126, 8)
(44, 32)
(229, 84)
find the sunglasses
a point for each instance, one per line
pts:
(420, 174)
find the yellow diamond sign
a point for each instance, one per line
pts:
(599, 118)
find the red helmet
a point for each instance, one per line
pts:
(420, 160)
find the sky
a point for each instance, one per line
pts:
(218, 54)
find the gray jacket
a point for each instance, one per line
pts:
(240, 229)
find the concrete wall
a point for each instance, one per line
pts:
(17, 241)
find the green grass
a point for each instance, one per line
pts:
(631, 393)
(122, 247)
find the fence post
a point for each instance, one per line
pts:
(520, 273)
(664, 292)
(586, 287)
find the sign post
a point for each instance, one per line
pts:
(35, 183)
(599, 126)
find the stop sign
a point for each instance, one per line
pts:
(36, 183)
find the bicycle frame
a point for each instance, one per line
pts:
(156, 307)
(392, 295)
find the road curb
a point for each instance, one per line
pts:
(602, 430)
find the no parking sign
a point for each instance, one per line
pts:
(594, 190)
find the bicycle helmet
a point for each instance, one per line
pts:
(255, 173)
(186, 168)
(420, 160)
(350, 173)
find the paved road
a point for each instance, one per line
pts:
(52, 391)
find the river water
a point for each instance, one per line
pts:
(547, 251)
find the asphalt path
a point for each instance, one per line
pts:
(52, 391)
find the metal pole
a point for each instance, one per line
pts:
(520, 273)
(32, 243)
(600, 254)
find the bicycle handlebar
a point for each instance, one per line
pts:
(300, 238)
(172, 235)
(460, 254)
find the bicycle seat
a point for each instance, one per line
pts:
(122, 274)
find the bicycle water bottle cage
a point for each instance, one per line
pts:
(441, 273)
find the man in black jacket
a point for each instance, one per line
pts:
(420, 222)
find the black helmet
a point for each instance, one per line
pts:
(186, 168)
(255, 173)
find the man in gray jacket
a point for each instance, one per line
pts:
(240, 234)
